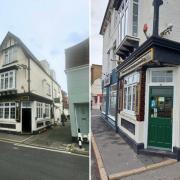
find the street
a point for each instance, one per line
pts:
(22, 163)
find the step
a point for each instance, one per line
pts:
(157, 152)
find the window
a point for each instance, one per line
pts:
(39, 110)
(162, 76)
(47, 110)
(135, 18)
(130, 87)
(104, 100)
(112, 100)
(7, 110)
(10, 55)
(7, 80)
(48, 90)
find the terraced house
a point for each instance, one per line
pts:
(30, 97)
(141, 66)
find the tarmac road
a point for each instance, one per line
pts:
(22, 163)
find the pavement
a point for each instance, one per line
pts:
(119, 158)
(21, 163)
(57, 138)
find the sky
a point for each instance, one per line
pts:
(47, 27)
(98, 8)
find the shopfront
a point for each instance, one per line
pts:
(149, 102)
(109, 98)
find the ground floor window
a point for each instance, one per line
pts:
(130, 92)
(47, 110)
(104, 100)
(39, 110)
(8, 110)
(112, 100)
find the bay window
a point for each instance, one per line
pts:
(130, 92)
(7, 80)
(39, 110)
(7, 110)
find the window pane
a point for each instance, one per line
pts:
(13, 110)
(1, 112)
(6, 115)
(129, 98)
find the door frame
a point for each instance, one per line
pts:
(149, 84)
(22, 107)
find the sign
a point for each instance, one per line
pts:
(107, 80)
(145, 58)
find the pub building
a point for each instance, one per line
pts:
(148, 93)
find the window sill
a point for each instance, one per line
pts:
(15, 61)
(129, 115)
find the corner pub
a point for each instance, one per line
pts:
(148, 98)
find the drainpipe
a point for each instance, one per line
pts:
(29, 78)
(117, 104)
(156, 4)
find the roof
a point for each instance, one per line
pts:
(77, 55)
(26, 51)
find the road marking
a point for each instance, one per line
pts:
(142, 169)
(26, 139)
(48, 149)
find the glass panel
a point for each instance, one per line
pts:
(129, 98)
(13, 110)
(6, 114)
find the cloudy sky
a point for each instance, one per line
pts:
(98, 8)
(47, 27)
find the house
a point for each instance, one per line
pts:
(96, 86)
(77, 71)
(141, 53)
(27, 89)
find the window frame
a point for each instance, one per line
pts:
(3, 78)
(9, 106)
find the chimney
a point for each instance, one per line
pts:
(156, 4)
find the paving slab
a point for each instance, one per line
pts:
(116, 154)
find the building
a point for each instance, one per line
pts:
(141, 53)
(77, 71)
(96, 86)
(27, 89)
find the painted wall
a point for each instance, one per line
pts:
(78, 92)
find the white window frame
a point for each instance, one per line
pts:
(9, 107)
(47, 110)
(10, 54)
(39, 110)
(131, 82)
(9, 75)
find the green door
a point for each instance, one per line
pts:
(160, 117)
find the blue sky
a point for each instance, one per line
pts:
(47, 27)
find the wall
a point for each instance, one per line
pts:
(78, 91)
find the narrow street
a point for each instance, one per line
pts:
(20, 163)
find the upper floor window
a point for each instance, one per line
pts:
(135, 18)
(48, 89)
(7, 80)
(10, 55)
(123, 25)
